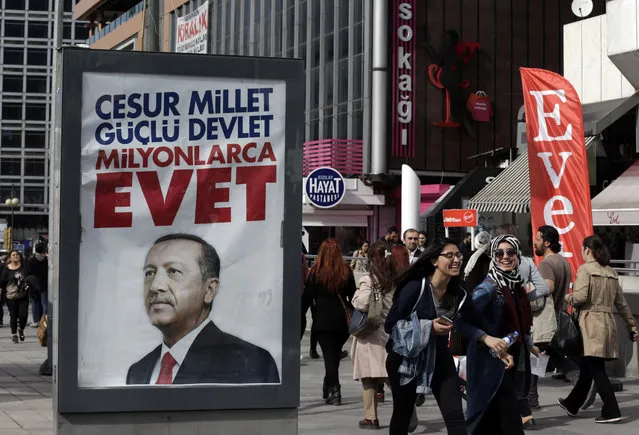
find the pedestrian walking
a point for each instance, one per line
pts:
(13, 282)
(595, 292)
(427, 301)
(330, 287)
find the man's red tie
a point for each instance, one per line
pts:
(166, 369)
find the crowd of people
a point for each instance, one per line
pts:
(416, 305)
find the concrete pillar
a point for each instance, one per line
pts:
(151, 26)
(380, 109)
(411, 198)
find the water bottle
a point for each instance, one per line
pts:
(509, 339)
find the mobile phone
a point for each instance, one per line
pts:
(445, 320)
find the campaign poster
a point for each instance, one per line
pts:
(192, 31)
(182, 204)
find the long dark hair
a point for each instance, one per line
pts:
(383, 272)
(424, 267)
(330, 269)
(599, 250)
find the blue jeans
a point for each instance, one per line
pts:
(38, 306)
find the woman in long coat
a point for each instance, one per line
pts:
(369, 353)
(595, 291)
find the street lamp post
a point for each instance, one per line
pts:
(12, 202)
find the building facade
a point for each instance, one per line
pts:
(26, 31)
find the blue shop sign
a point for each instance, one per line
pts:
(324, 187)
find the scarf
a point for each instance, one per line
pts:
(482, 242)
(505, 279)
(516, 315)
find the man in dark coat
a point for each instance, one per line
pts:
(181, 277)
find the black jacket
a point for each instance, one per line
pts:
(215, 357)
(330, 315)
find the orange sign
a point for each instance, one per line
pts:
(558, 166)
(460, 218)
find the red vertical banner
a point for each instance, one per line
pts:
(558, 166)
(403, 72)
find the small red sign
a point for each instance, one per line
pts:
(460, 218)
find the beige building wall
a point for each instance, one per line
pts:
(169, 7)
(122, 33)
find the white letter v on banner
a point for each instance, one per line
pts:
(554, 177)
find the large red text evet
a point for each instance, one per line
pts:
(164, 208)
(559, 185)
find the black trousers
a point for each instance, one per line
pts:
(3, 301)
(559, 361)
(593, 368)
(445, 386)
(313, 333)
(503, 416)
(18, 311)
(331, 343)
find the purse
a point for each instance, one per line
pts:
(347, 311)
(362, 323)
(568, 337)
(42, 330)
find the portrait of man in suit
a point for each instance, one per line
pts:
(181, 278)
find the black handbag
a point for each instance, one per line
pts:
(568, 337)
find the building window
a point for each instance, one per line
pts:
(11, 139)
(17, 5)
(11, 83)
(13, 56)
(68, 5)
(36, 112)
(34, 167)
(38, 29)
(10, 166)
(38, 5)
(81, 32)
(12, 111)
(66, 31)
(36, 57)
(33, 195)
(14, 29)
(128, 45)
(36, 85)
(35, 139)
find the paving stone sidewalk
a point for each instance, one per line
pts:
(26, 405)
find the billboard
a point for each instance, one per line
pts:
(183, 184)
(192, 31)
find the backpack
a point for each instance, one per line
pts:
(362, 323)
(17, 287)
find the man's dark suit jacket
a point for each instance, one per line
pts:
(215, 357)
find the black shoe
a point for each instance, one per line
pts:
(21, 335)
(421, 398)
(14, 338)
(334, 396)
(343, 355)
(534, 403)
(369, 424)
(562, 404)
(313, 353)
(607, 420)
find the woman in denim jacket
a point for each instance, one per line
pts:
(497, 386)
(427, 365)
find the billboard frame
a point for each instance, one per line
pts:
(68, 396)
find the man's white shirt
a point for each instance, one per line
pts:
(178, 352)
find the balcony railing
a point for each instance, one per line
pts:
(126, 16)
(343, 155)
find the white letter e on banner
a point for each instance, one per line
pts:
(543, 135)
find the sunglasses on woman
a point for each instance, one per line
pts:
(499, 253)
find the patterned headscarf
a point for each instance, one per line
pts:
(510, 279)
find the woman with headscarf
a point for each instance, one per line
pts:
(498, 386)
(479, 262)
(330, 286)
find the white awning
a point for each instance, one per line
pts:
(618, 204)
(509, 192)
